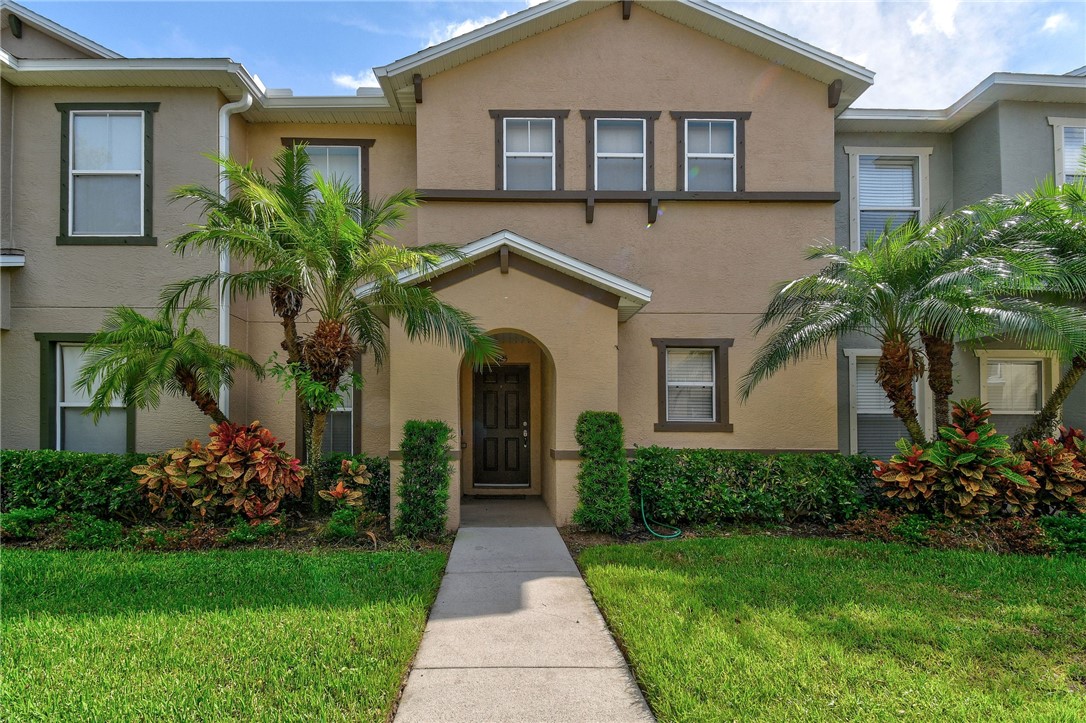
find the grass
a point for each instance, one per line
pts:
(240, 635)
(784, 629)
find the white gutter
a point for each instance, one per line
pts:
(239, 106)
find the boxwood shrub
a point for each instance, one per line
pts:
(603, 488)
(424, 486)
(98, 484)
(712, 487)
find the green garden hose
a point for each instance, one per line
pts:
(644, 518)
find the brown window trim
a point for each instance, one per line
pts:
(559, 117)
(64, 238)
(720, 347)
(649, 116)
(740, 118)
(362, 143)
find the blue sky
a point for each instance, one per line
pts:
(926, 54)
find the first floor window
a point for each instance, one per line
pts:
(1014, 391)
(339, 429)
(693, 379)
(691, 385)
(875, 428)
(76, 431)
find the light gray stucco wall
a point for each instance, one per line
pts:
(1026, 141)
(977, 172)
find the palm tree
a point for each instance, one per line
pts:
(1054, 216)
(137, 358)
(916, 290)
(995, 278)
(320, 242)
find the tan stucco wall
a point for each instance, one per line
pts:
(577, 334)
(36, 44)
(600, 62)
(71, 288)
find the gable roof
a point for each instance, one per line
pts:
(631, 297)
(1068, 88)
(55, 30)
(701, 15)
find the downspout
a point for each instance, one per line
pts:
(239, 106)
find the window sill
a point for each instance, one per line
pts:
(107, 241)
(693, 427)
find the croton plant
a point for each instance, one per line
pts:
(242, 469)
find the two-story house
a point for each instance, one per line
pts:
(628, 183)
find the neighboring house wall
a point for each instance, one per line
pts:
(711, 265)
(69, 289)
(977, 167)
(1026, 151)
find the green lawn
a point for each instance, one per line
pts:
(777, 629)
(253, 635)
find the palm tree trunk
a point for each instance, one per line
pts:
(203, 400)
(316, 437)
(1043, 424)
(898, 369)
(940, 353)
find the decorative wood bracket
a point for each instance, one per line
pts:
(627, 8)
(654, 209)
(504, 257)
(417, 80)
(834, 93)
(589, 209)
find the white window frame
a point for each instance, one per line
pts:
(923, 398)
(73, 171)
(1050, 370)
(507, 154)
(689, 155)
(61, 406)
(854, 153)
(1058, 124)
(643, 155)
(668, 384)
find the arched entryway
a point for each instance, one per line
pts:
(507, 420)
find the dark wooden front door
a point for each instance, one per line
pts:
(501, 452)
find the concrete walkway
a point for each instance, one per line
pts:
(514, 634)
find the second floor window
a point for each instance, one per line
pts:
(620, 154)
(887, 186)
(105, 189)
(1074, 154)
(889, 192)
(529, 161)
(710, 155)
(339, 164)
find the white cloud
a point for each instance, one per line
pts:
(445, 32)
(925, 59)
(1056, 22)
(362, 79)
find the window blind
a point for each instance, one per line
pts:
(1074, 148)
(78, 432)
(107, 173)
(1014, 387)
(889, 188)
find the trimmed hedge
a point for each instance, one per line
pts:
(603, 487)
(713, 487)
(98, 484)
(424, 486)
